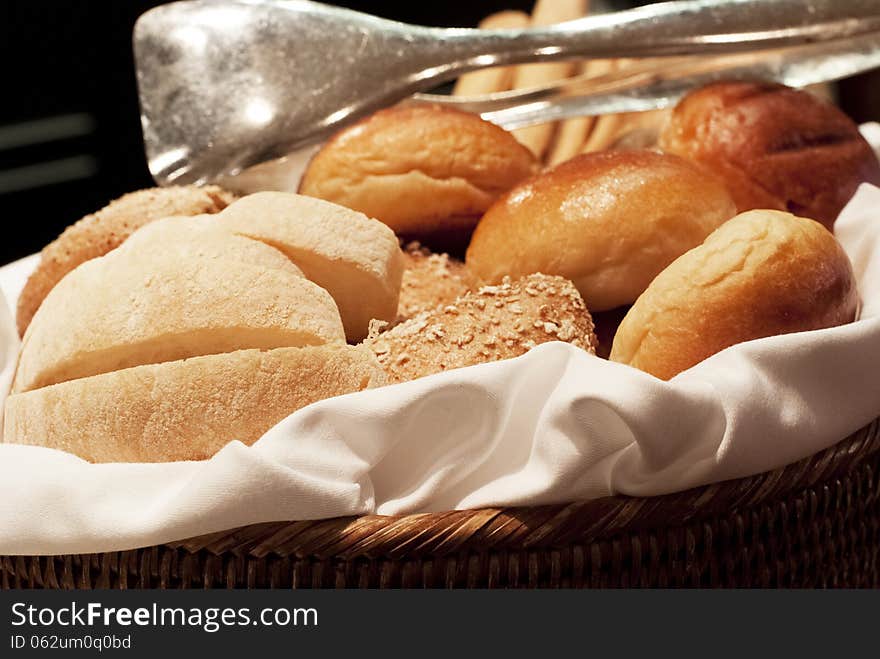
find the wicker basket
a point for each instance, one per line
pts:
(815, 523)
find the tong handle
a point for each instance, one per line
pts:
(660, 83)
(682, 27)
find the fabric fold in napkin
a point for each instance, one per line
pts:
(554, 425)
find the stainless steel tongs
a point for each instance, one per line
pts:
(225, 85)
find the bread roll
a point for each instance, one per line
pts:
(425, 171)
(184, 410)
(127, 308)
(760, 274)
(430, 281)
(201, 236)
(95, 235)
(775, 147)
(357, 259)
(609, 222)
(492, 323)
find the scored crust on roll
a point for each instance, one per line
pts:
(355, 258)
(761, 274)
(188, 409)
(775, 147)
(430, 280)
(421, 170)
(489, 324)
(201, 236)
(122, 310)
(609, 222)
(97, 234)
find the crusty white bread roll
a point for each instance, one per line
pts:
(95, 235)
(774, 147)
(760, 274)
(356, 259)
(201, 236)
(489, 324)
(430, 281)
(185, 410)
(423, 170)
(126, 309)
(609, 222)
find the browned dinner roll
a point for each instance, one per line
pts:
(775, 147)
(423, 170)
(762, 273)
(430, 280)
(96, 234)
(489, 324)
(608, 221)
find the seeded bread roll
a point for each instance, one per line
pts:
(762, 273)
(492, 323)
(185, 410)
(774, 147)
(430, 281)
(609, 222)
(427, 172)
(95, 235)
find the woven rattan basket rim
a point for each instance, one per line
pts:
(538, 527)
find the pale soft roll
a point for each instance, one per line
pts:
(356, 259)
(202, 237)
(98, 233)
(610, 222)
(761, 274)
(126, 309)
(184, 410)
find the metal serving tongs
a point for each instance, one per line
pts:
(225, 85)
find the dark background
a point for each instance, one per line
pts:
(70, 137)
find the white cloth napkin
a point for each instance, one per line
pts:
(554, 425)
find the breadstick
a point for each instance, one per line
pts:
(498, 78)
(546, 12)
(572, 134)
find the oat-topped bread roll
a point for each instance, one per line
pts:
(609, 222)
(762, 273)
(489, 324)
(357, 259)
(775, 147)
(96, 234)
(430, 280)
(427, 172)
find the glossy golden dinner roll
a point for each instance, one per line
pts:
(775, 147)
(422, 170)
(609, 222)
(760, 274)
(96, 234)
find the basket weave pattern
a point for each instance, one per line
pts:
(815, 523)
